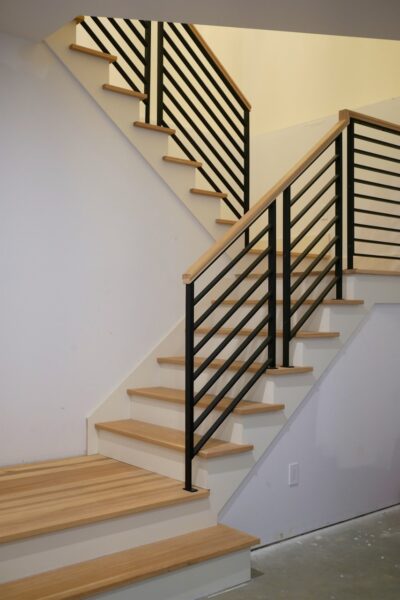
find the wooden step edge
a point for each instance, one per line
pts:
(79, 19)
(93, 577)
(152, 127)
(211, 193)
(167, 437)
(229, 222)
(279, 334)
(311, 255)
(293, 274)
(125, 91)
(183, 161)
(380, 272)
(278, 371)
(308, 302)
(245, 407)
(111, 58)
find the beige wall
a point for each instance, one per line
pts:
(292, 78)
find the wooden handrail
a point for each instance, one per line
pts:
(220, 245)
(220, 66)
(351, 114)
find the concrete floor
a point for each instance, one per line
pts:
(359, 559)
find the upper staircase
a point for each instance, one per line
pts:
(268, 307)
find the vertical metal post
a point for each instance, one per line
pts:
(350, 194)
(286, 277)
(147, 67)
(339, 216)
(160, 72)
(246, 174)
(272, 283)
(189, 387)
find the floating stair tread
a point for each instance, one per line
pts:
(246, 331)
(111, 58)
(183, 161)
(218, 362)
(225, 221)
(170, 438)
(125, 91)
(383, 272)
(152, 127)
(129, 566)
(56, 495)
(245, 407)
(210, 193)
(293, 254)
(308, 301)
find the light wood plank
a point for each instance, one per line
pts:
(111, 58)
(183, 161)
(245, 407)
(125, 91)
(167, 437)
(229, 222)
(313, 273)
(383, 272)
(210, 193)
(235, 366)
(247, 331)
(156, 128)
(129, 566)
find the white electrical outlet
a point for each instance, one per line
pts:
(294, 474)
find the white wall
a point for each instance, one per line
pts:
(345, 437)
(92, 247)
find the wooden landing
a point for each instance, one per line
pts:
(130, 566)
(50, 496)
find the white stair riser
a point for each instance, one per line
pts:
(190, 583)
(50, 551)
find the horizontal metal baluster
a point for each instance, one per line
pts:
(228, 363)
(375, 126)
(312, 287)
(232, 263)
(311, 203)
(313, 222)
(103, 48)
(377, 213)
(376, 184)
(376, 170)
(119, 49)
(379, 227)
(204, 138)
(377, 256)
(206, 105)
(314, 306)
(228, 338)
(206, 72)
(313, 180)
(376, 242)
(311, 245)
(127, 40)
(311, 267)
(204, 156)
(375, 141)
(378, 156)
(203, 85)
(234, 379)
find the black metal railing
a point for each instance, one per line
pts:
(212, 331)
(211, 119)
(130, 40)
(373, 191)
(312, 217)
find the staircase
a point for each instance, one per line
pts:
(268, 307)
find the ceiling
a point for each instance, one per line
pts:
(35, 19)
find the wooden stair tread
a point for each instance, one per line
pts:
(225, 221)
(111, 58)
(293, 254)
(125, 91)
(246, 331)
(218, 362)
(245, 407)
(210, 193)
(183, 161)
(152, 127)
(383, 272)
(308, 301)
(170, 438)
(129, 566)
(293, 274)
(56, 495)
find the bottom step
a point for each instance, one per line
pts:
(132, 566)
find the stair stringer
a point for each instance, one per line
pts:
(92, 73)
(223, 475)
